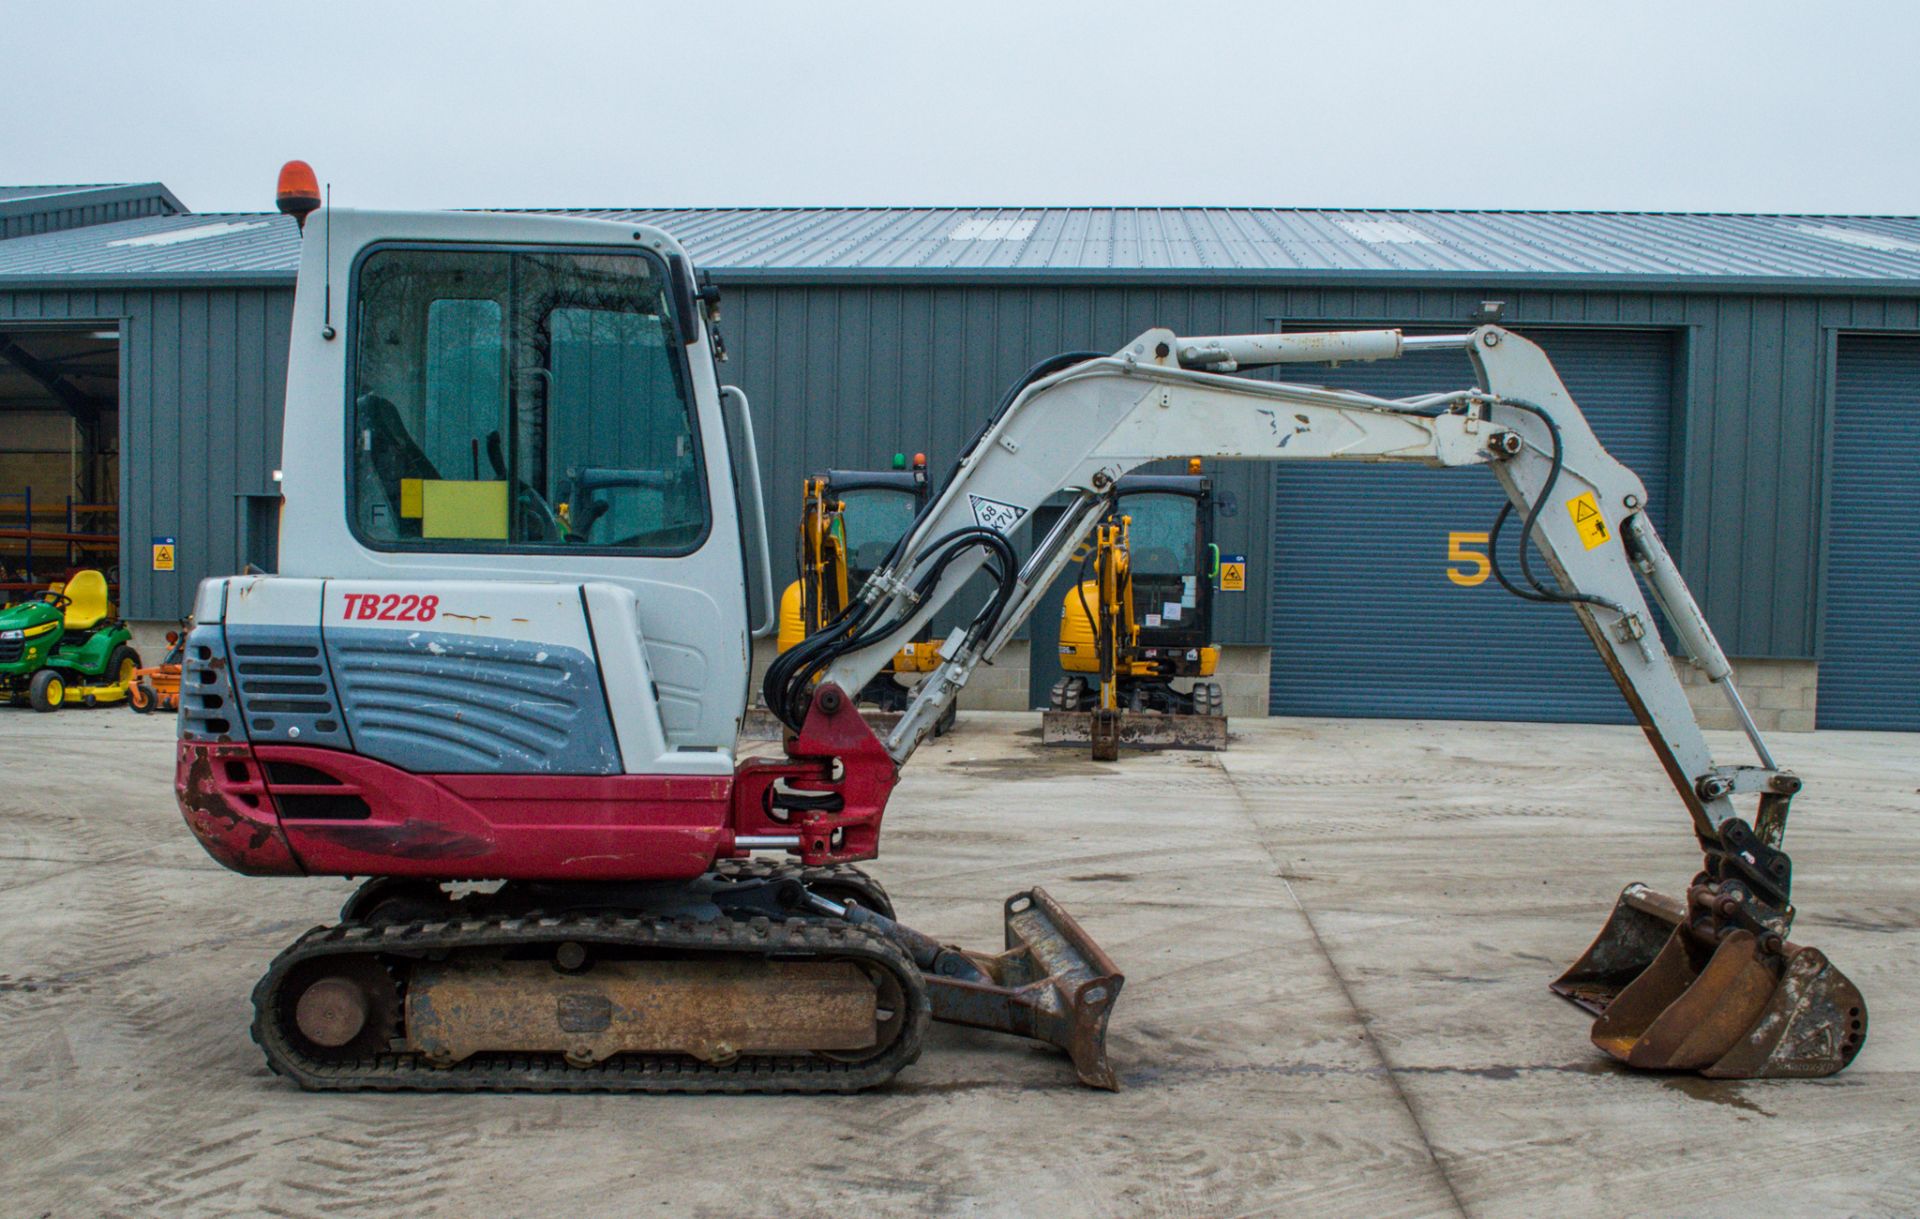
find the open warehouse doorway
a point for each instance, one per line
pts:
(59, 455)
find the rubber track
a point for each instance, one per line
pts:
(394, 1072)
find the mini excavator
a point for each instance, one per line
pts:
(1138, 617)
(850, 521)
(448, 682)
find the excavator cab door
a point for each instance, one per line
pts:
(1171, 548)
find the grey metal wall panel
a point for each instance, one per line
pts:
(202, 394)
(849, 373)
(928, 361)
(1367, 619)
(1870, 654)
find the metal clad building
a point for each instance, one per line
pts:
(49, 209)
(1757, 369)
(1411, 543)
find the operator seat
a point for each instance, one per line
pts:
(393, 454)
(88, 606)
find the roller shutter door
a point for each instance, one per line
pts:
(1367, 622)
(1870, 661)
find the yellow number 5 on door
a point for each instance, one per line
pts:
(1592, 526)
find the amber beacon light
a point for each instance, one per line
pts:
(298, 193)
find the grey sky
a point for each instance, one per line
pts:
(1687, 105)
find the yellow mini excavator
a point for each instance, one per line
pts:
(1138, 617)
(850, 520)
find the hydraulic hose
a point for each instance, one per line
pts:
(790, 678)
(1538, 591)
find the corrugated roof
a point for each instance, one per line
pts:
(200, 246)
(1267, 244)
(40, 198)
(1262, 241)
(35, 192)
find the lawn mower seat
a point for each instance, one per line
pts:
(87, 606)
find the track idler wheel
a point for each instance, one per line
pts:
(1675, 993)
(344, 1010)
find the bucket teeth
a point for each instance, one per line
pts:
(1673, 996)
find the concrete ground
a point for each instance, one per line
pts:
(1336, 939)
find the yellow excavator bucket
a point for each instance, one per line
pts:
(1677, 988)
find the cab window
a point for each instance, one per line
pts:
(1163, 534)
(875, 519)
(521, 400)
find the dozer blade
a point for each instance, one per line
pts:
(1053, 984)
(1672, 998)
(1135, 730)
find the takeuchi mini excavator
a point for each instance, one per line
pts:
(447, 683)
(1138, 617)
(850, 521)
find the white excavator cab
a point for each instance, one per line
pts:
(517, 404)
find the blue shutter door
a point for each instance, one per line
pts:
(1366, 621)
(1870, 661)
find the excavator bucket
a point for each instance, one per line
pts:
(1053, 984)
(1671, 996)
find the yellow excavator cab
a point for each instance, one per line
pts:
(1143, 611)
(834, 565)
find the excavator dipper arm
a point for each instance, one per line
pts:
(1077, 428)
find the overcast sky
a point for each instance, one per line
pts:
(1686, 104)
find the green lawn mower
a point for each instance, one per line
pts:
(65, 646)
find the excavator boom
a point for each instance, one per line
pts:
(1078, 428)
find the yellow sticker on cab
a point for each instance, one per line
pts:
(1588, 520)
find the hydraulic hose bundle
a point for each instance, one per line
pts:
(790, 678)
(788, 686)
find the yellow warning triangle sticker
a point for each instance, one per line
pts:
(1587, 521)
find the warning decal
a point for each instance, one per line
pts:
(992, 514)
(1592, 526)
(1233, 573)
